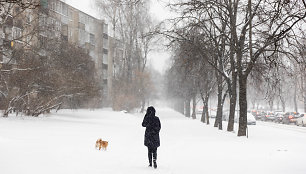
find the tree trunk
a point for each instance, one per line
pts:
(207, 114)
(271, 103)
(203, 114)
(233, 100)
(294, 99)
(187, 107)
(243, 105)
(203, 109)
(283, 102)
(218, 121)
(194, 105)
(243, 102)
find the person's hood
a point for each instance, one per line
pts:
(151, 111)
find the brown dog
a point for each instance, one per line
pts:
(101, 144)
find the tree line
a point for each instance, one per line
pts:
(228, 45)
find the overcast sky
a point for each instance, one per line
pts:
(158, 59)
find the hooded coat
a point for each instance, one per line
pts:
(153, 126)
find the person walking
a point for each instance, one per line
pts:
(152, 141)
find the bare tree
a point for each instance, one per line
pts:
(65, 77)
(257, 29)
(130, 22)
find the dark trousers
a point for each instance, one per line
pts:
(152, 152)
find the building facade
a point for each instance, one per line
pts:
(85, 31)
(55, 18)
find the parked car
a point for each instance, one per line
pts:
(251, 119)
(259, 114)
(279, 117)
(269, 116)
(254, 112)
(301, 121)
(290, 117)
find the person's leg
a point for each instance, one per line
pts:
(154, 151)
(150, 151)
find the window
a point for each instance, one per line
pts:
(65, 30)
(58, 7)
(119, 54)
(104, 66)
(42, 41)
(64, 19)
(70, 14)
(105, 43)
(105, 75)
(64, 9)
(28, 18)
(105, 36)
(69, 32)
(105, 28)
(82, 18)
(17, 33)
(104, 89)
(81, 36)
(92, 39)
(105, 59)
(87, 36)
(57, 25)
(52, 5)
(44, 3)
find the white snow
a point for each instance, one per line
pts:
(64, 143)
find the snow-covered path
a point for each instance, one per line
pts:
(63, 143)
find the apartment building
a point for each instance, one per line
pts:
(68, 23)
(84, 30)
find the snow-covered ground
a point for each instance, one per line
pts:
(64, 143)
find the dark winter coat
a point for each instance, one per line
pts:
(153, 126)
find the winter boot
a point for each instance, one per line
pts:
(150, 160)
(155, 165)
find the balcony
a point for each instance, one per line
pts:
(104, 66)
(81, 26)
(105, 59)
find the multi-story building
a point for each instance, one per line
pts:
(70, 24)
(84, 30)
